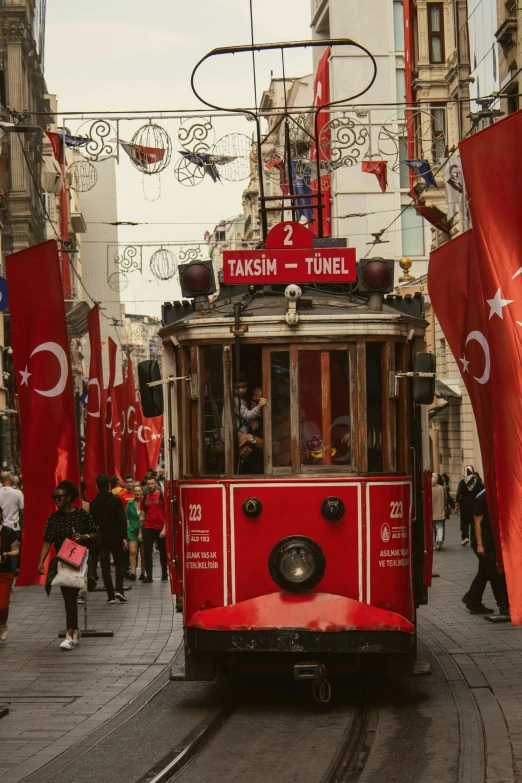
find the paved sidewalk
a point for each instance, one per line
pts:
(488, 655)
(57, 698)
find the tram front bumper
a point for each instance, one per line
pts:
(311, 622)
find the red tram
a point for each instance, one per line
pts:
(300, 537)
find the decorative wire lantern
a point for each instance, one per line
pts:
(82, 176)
(152, 149)
(163, 264)
(118, 281)
(232, 154)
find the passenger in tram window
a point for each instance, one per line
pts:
(341, 435)
(242, 413)
(251, 443)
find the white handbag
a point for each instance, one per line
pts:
(71, 577)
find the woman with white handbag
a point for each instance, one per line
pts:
(73, 525)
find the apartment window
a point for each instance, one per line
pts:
(398, 26)
(512, 100)
(412, 231)
(400, 83)
(436, 32)
(438, 135)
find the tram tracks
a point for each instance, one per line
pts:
(253, 737)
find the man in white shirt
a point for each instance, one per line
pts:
(12, 505)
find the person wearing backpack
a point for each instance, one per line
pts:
(154, 528)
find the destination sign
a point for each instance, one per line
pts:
(289, 265)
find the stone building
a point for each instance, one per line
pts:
(23, 100)
(509, 37)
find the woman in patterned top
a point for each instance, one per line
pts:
(67, 521)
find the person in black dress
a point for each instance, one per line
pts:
(9, 548)
(67, 521)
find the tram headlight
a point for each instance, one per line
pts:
(297, 564)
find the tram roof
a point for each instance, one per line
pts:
(272, 303)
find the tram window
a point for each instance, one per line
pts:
(324, 408)
(340, 409)
(374, 406)
(280, 402)
(213, 403)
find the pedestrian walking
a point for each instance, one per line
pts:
(134, 516)
(12, 505)
(438, 502)
(67, 521)
(108, 514)
(483, 544)
(154, 528)
(9, 549)
(467, 491)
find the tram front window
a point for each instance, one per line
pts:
(324, 408)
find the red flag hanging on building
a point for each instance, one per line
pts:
(452, 278)
(110, 411)
(48, 430)
(321, 150)
(148, 443)
(94, 461)
(118, 426)
(129, 422)
(493, 175)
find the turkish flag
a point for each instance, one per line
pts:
(94, 461)
(452, 277)
(321, 149)
(118, 426)
(494, 191)
(111, 414)
(48, 434)
(129, 423)
(148, 443)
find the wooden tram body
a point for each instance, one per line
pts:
(341, 484)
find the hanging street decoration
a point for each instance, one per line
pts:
(421, 168)
(150, 150)
(82, 176)
(163, 264)
(380, 169)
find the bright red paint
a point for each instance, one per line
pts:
(311, 611)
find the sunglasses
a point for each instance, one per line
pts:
(58, 497)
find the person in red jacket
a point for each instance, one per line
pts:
(154, 528)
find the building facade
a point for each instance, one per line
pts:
(509, 37)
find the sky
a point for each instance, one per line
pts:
(127, 55)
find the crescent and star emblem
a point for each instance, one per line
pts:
(141, 430)
(61, 356)
(95, 382)
(481, 340)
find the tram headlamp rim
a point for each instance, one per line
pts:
(286, 545)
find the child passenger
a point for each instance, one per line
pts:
(243, 414)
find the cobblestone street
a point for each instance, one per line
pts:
(487, 654)
(55, 698)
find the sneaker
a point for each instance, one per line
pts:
(147, 580)
(132, 577)
(111, 600)
(91, 584)
(479, 609)
(503, 610)
(121, 598)
(164, 577)
(439, 544)
(67, 644)
(81, 599)
(77, 637)
(142, 577)
(465, 541)
(4, 632)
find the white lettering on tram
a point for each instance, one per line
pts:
(326, 265)
(253, 267)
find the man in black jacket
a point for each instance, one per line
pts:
(467, 491)
(108, 513)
